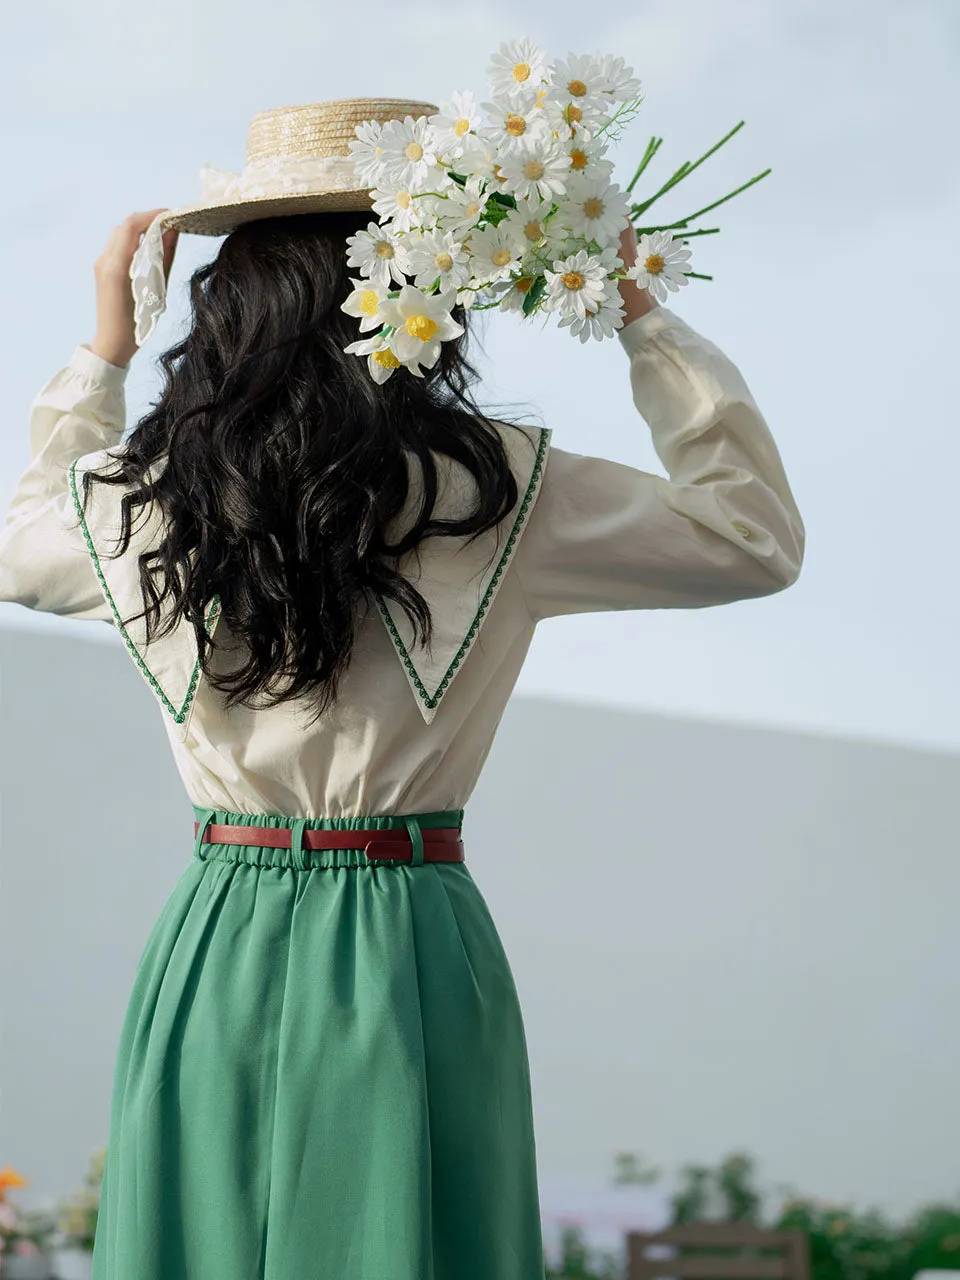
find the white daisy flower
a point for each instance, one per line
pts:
(495, 252)
(560, 242)
(421, 322)
(364, 302)
(397, 204)
(578, 79)
(618, 79)
(382, 360)
(409, 151)
(436, 254)
(537, 168)
(578, 284)
(461, 207)
(529, 219)
(566, 119)
(661, 263)
(595, 208)
(375, 252)
(366, 152)
(587, 155)
(514, 292)
(477, 157)
(510, 123)
(517, 65)
(599, 321)
(453, 122)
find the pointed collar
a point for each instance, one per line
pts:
(170, 664)
(459, 579)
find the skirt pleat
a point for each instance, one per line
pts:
(322, 1074)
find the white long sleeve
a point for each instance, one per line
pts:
(724, 526)
(44, 560)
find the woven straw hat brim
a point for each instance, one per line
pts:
(221, 219)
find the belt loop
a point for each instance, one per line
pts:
(416, 839)
(208, 816)
(296, 843)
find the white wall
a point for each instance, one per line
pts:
(722, 936)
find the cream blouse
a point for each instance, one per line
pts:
(412, 728)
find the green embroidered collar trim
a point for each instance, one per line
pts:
(431, 700)
(179, 714)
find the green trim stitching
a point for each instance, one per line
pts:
(432, 701)
(181, 715)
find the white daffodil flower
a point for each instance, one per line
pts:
(382, 360)
(364, 302)
(421, 322)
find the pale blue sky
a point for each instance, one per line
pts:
(834, 290)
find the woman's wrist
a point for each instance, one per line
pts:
(112, 350)
(636, 302)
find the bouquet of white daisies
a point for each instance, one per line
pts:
(508, 204)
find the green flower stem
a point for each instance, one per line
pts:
(687, 168)
(702, 231)
(653, 146)
(637, 209)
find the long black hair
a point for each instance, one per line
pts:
(285, 463)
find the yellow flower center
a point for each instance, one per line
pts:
(443, 261)
(572, 114)
(421, 327)
(369, 302)
(593, 207)
(521, 72)
(384, 249)
(515, 125)
(573, 280)
(386, 358)
(654, 264)
(578, 159)
(403, 199)
(378, 151)
(533, 170)
(472, 209)
(541, 95)
(501, 257)
(533, 231)
(413, 151)
(498, 173)
(577, 88)
(461, 127)
(523, 284)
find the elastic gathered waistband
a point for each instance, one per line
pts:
(301, 858)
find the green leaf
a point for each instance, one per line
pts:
(504, 198)
(534, 294)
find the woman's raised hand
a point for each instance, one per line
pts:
(637, 302)
(115, 341)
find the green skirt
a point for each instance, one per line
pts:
(322, 1075)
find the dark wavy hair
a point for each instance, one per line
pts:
(285, 463)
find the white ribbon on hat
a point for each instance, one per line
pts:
(261, 179)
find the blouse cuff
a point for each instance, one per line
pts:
(88, 363)
(633, 335)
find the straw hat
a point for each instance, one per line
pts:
(298, 161)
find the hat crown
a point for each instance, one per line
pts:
(322, 128)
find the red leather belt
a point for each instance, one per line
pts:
(440, 844)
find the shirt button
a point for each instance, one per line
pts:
(742, 529)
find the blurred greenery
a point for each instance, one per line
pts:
(845, 1243)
